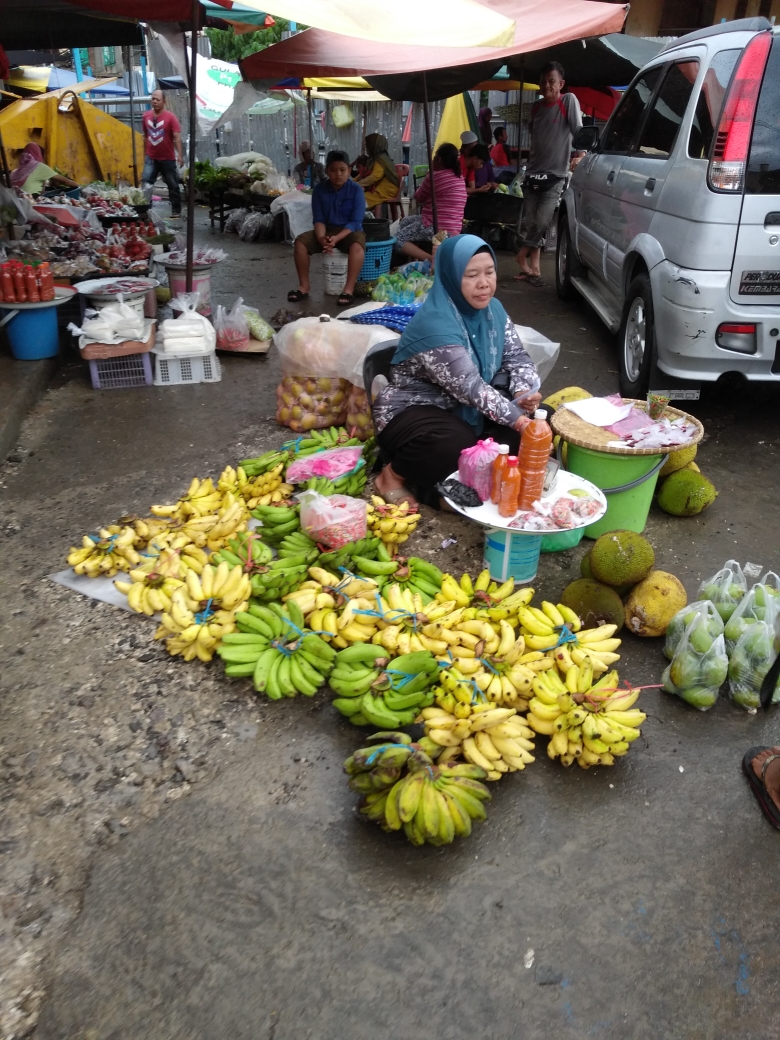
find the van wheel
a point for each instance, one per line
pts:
(567, 265)
(637, 339)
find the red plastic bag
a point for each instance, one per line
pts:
(475, 467)
(232, 327)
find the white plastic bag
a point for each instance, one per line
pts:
(231, 327)
(192, 333)
(751, 659)
(684, 617)
(541, 350)
(297, 205)
(342, 116)
(760, 604)
(324, 347)
(114, 323)
(332, 520)
(699, 666)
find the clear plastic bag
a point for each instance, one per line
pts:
(541, 350)
(250, 227)
(231, 327)
(751, 659)
(334, 463)
(760, 604)
(235, 219)
(475, 467)
(684, 617)
(311, 404)
(258, 326)
(190, 333)
(699, 666)
(332, 520)
(326, 347)
(359, 421)
(725, 589)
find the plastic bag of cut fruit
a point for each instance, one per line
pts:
(332, 520)
(232, 327)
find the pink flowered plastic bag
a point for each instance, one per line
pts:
(475, 467)
(332, 464)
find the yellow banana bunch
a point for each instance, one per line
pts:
(392, 523)
(232, 519)
(149, 593)
(106, 553)
(149, 528)
(194, 628)
(266, 488)
(219, 588)
(496, 739)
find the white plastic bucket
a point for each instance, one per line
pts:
(509, 554)
(201, 282)
(335, 267)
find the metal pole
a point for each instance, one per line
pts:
(520, 113)
(129, 67)
(311, 142)
(6, 179)
(193, 134)
(434, 212)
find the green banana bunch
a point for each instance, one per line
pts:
(431, 803)
(353, 484)
(264, 463)
(247, 550)
(413, 573)
(322, 485)
(296, 544)
(372, 690)
(278, 521)
(273, 646)
(279, 577)
(368, 548)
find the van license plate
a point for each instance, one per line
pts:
(680, 395)
(759, 283)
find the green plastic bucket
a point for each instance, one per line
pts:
(628, 481)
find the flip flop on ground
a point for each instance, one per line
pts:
(768, 797)
(345, 300)
(296, 295)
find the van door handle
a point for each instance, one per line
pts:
(649, 184)
(772, 219)
(610, 176)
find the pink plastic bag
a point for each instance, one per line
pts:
(332, 520)
(475, 467)
(332, 464)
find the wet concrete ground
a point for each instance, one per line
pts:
(638, 901)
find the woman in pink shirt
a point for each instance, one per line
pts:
(415, 233)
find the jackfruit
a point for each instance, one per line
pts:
(677, 459)
(585, 570)
(693, 466)
(686, 493)
(653, 603)
(570, 393)
(621, 558)
(595, 603)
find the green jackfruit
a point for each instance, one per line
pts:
(686, 493)
(585, 570)
(676, 460)
(621, 558)
(595, 603)
(653, 603)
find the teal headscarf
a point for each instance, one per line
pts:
(446, 319)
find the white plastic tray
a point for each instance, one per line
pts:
(487, 515)
(94, 286)
(62, 293)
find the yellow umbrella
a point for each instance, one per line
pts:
(454, 120)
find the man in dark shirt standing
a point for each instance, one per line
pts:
(162, 141)
(338, 206)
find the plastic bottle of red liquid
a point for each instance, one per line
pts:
(47, 282)
(497, 474)
(510, 488)
(9, 293)
(31, 285)
(19, 286)
(533, 457)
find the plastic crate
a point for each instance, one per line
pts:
(172, 370)
(120, 373)
(377, 261)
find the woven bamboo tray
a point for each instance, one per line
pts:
(576, 431)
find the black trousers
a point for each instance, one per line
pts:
(424, 443)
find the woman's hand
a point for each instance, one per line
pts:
(521, 423)
(529, 402)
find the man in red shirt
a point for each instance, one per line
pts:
(162, 138)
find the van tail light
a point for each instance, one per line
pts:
(737, 336)
(732, 141)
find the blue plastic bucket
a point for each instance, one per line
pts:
(33, 334)
(509, 554)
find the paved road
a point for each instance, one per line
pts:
(633, 902)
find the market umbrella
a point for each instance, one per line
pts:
(39, 79)
(458, 115)
(598, 61)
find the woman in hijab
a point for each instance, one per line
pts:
(382, 182)
(32, 174)
(483, 118)
(302, 172)
(460, 373)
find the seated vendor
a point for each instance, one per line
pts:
(382, 182)
(303, 171)
(479, 177)
(32, 175)
(338, 206)
(460, 373)
(415, 233)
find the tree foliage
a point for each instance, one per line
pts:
(227, 46)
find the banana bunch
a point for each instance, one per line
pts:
(150, 591)
(321, 440)
(370, 548)
(230, 520)
(266, 489)
(432, 804)
(247, 551)
(278, 578)
(296, 544)
(201, 499)
(323, 593)
(263, 463)
(172, 554)
(149, 529)
(222, 588)
(589, 724)
(500, 679)
(542, 629)
(105, 553)
(392, 523)
(273, 646)
(414, 574)
(496, 739)
(374, 691)
(278, 521)
(353, 484)
(194, 628)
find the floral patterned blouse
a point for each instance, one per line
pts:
(448, 376)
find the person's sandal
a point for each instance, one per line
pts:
(295, 296)
(535, 281)
(398, 495)
(345, 300)
(758, 787)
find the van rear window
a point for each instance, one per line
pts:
(711, 95)
(763, 172)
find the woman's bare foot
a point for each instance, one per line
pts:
(771, 778)
(392, 489)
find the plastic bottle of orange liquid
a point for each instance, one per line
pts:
(510, 488)
(498, 470)
(533, 457)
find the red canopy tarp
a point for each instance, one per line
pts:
(538, 23)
